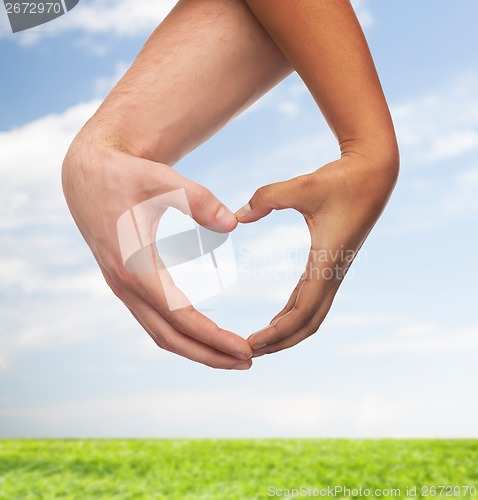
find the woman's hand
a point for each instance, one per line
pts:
(340, 202)
(100, 184)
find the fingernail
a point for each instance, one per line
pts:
(243, 212)
(258, 346)
(225, 217)
(242, 355)
(242, 366)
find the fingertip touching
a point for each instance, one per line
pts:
(252, 211)
(209, 212)
(225, 220)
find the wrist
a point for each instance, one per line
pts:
(380, 159)
(128, 131)
(109, 131)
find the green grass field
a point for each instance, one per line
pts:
(235, 469)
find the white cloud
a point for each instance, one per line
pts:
(289, 108)
(30, 196)
(362, 319)
(117, 17)
(35, 151)
(417, 329)
(289, 98)
(30, 167)
(104, 84)
(27, 278)
(44, 283)
(435, 200)
(423, 339)
(438, 132)
(461, 199)
(451, 144)
(222, 414)
(440, 126)
(121, 18)
(32, 207)
(300, 155)
(289, 241)
(270, 260)
(51, 322)
(364, 13)
(392, 333)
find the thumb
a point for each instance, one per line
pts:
(208, 211)
(275, 196)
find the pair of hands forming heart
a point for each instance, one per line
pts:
(205, 63)
(340, 203)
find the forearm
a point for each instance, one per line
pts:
(324, 42)
(203, 65)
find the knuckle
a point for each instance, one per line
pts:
(309, 317)
(311, 330)
(306, 316)
(184, 320)
(163, 342)
(307, 182)
(312, 327)
(175, 321)
(117, 289)
(263, 194)
(217, 363)
(121, 277)
(281, 348)
(115, 286)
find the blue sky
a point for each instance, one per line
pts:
(397, 355)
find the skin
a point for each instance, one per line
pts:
(342, 200)
(176, 95)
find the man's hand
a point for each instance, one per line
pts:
(100, 184)
(340, 203)
(203, 65)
